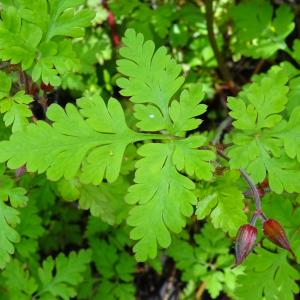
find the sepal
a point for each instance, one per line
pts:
(245, 241)
(276, 234)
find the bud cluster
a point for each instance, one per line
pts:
(246, 237)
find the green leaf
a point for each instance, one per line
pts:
(183, 112)
(214, 283)
(259, 105)
(260, 35)
(16, 110)
(76, 140)
(69, 189)
(30, 229)
(9, 218)
(110, 291)
(110, 263)
(162, 18)
(54, 59)
(65, 20)
(193, 161)
(151, 77)
(206, 260)
(296, 49)
(268, 275)
(19, 283)
(105, 257)
(223, 201)
(289, 133)
(60, 277)
(35, 12)
(18, 38)
(149, 116)
(113, 264)
(164, 196)
(264, 142)
(36, 32)
(16, 195)
(105, 201)
(5, 84)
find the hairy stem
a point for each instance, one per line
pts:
(212, 39)
(219, 132)
(249, 181)
(253, 188)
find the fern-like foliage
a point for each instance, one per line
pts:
(263, 32)
(265, 142)
(221, 199)
(208, 262)
(164, 196)
(33, 33)
(89, 141)
(55, 279)
(9, 216)
(14, 107)
(269, 275)
(76, 140)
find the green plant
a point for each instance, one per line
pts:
(143, 173)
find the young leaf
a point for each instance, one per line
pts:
(151, 77)
(16, 195)
(36, 32)
(259, 105)
(60, 277)
(262, 137)
(223, 202)
(15, 108)
(55, 58)
(207, 261)
(18, 38)
(19, 283)
(184, 112)
(66, 20)
(260, 35)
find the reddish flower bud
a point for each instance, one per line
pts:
(244, 243)
(275, 233)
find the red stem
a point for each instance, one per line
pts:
(112, 24)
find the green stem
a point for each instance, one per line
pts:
(152, 136)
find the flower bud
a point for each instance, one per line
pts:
(244, 242)
(275, 233)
